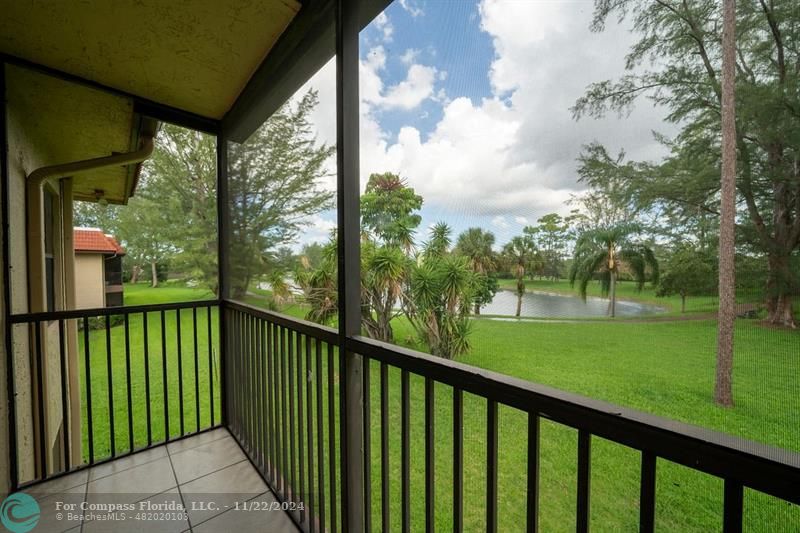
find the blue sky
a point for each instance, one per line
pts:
(469, 102)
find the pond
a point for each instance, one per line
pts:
(551, 305)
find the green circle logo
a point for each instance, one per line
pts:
(19, 513)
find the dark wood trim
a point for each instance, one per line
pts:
(303, 48)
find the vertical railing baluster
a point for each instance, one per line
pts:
(320, 440)
(733, 503)
(332, 439)
(303, 493)
(310, 440)
(128, 385)
(458, 460)
(292, 417)
(210, 367)
(270, 407)
(180, 369)
(62, 358)
(647, 493)
(385, 521)
(247, 380)
(146, 352)
(88, 374)
(584, 478)
(40, 401)
(262, 388)
(284, 426)
(244, 380)
(196, 371)
(491, 470)
(343, 437)
(430, 460)
(110, 380)
(405, 452)
(367, 447)
(164, 382)
(533, 473)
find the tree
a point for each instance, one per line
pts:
(723, 386)
(550, 236)
(389, 219)
(441, 290)
(687, 272)
(603, 251)
(520, 254)
(476, 245)
(274, 187)
(682, 43)
(180, 184)
(389, 210)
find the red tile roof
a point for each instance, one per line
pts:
(94, 240)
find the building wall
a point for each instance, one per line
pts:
(89, 281)
(25, 155)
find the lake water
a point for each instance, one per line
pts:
(547, 304)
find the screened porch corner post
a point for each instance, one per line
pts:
(349, 262)
(223, 264)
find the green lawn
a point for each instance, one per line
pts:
(665, 368)
(140, 294)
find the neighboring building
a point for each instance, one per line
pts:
(98, 269)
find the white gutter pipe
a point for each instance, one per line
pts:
(35, 181)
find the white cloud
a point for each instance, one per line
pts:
(409, 56)
(417, 87)
(316, 229)
(500, 222)
(384, 25)
(412, 8)
(522, 221)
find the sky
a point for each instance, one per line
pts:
(469, 102)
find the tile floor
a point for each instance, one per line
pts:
(207, 474)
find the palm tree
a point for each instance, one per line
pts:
(520, 254)
(476, 245)
(603, 251)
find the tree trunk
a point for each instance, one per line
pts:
(477, 309)
(683, 303)
(779, 291)
(134, 274)
(723, 388)
(154, 273)
(612, 295)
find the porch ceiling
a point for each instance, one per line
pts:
(193, 55)
(69, 122)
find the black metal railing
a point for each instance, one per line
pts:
(283, 402)
(113, 381)
(407, 393)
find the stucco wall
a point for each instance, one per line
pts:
(89, 281)
(25, 154)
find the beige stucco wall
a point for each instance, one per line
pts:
(89, 281)
(25, 154)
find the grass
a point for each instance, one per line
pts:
(207, 371)
(664, 368)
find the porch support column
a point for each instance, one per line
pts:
(349, 263)
(223, 263)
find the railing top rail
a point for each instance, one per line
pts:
(765, 468)
(323, 333)
(26, 318)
